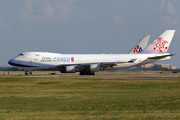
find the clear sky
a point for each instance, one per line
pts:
(85, 26)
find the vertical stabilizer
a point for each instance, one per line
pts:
(140, 45)
(161, 44)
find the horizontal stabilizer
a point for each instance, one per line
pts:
(160, 57)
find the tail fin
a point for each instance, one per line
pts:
(140, 45)
(161, 44)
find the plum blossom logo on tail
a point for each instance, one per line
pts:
(160, 44)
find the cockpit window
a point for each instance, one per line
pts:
(21, 54)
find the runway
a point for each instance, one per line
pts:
(120, 76)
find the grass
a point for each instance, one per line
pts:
(88, 98)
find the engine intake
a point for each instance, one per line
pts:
(70, 69)
(94, 67)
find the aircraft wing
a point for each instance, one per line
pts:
(102, 64)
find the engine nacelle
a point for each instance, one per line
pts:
(70, 69)
(94, 67)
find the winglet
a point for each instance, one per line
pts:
(161, 44)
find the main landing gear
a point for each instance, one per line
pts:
(86, 73)
(26, 73)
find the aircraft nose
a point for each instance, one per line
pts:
(11, 62)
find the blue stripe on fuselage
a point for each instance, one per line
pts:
(27, 64)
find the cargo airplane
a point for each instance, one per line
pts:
(88, 64)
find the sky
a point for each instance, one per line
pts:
(85, 26)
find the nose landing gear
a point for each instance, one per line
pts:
(26, 72)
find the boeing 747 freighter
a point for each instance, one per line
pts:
(88, 64)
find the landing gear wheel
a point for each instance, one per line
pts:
(93, 73)
(81, 73)
(26, 72)
(30, 73)
(89, 73)
(86, 73)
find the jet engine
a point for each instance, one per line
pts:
(94, 67)
(70, 69)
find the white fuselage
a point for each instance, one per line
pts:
(87, 64)
(54, 61)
